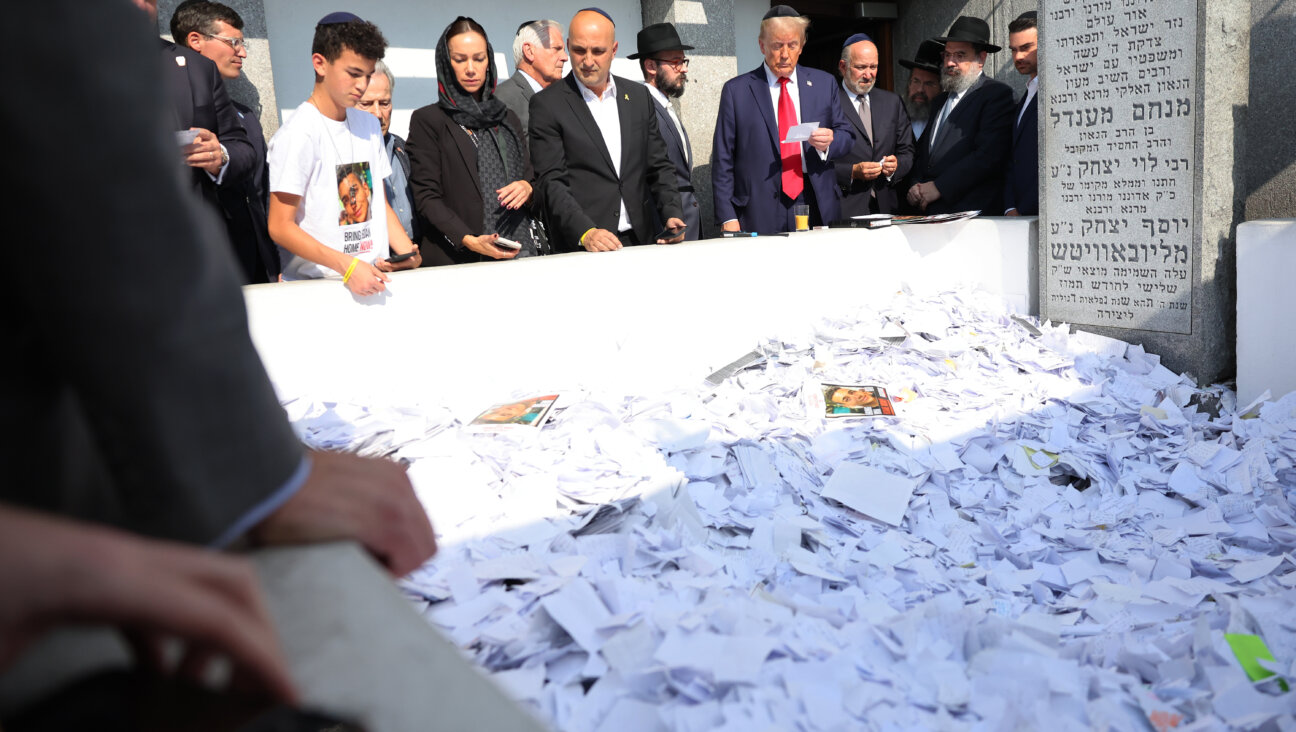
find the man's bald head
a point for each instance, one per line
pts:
(591, 45)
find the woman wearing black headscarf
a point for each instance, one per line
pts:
(470, 171)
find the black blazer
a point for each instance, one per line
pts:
(581, 189)
(447, 190)
(245, 205)
(142, 401)
(1021, 183)
(676, 147)
(894, 136)
(971, 150)
(198, 99)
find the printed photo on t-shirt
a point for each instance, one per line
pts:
(355, 193)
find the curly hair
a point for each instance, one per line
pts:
(360, 36)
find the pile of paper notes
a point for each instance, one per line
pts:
(1054, 532)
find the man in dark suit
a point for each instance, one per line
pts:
(757, 178)
(216, 31)
(665, 70)
(538, 56)
(924, 85)
(883, 153)
(1021, 183)
(960, 166)
(599, 158)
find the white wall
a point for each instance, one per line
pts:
(635, 321)
(412, 30)
(747, 20)
(1266, 300)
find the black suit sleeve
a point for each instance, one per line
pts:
(661, 171)
(565, 216)
(904, 150)
(431, 180)
(140, 343)
(230, 131)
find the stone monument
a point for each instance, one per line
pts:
(1140, 165)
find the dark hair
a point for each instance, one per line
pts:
(1025, 22)
(360, 36)
(464, 24)
(200, 16)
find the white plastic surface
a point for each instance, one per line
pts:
(1266, 302)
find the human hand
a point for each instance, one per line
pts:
(674, 223)
(413, 262)
(866, 170)
(601, 240)
(889, 165)
(204, 152)
(515, 194)
(362, 499)
(821, 138)
(485, 245)
(56, 572)
(731, 226)
(366, 279)
(1011, 212)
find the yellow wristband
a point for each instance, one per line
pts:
(347, 276)
(587, 231)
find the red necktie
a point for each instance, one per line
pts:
(793, 178)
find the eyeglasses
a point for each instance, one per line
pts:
(680, 65)
(958, 57)
(236, 44)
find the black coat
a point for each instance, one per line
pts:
(1021, 184)
(967, 163)
(579, 185)
(447, 193)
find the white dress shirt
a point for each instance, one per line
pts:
(1030, 94)
(535, 85)
(608, 119)
(775, 90)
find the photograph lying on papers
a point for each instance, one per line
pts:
(529, 413)
(935, 218)
(853, 400)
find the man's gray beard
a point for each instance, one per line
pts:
(857, 89)
(957, 84)
(917, 111)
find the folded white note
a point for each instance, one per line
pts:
(870, 491)
(801, 132)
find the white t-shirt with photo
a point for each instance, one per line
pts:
(338, 169)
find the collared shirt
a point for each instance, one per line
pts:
(918, 126)
(608, 118)
(670, 112)
(535, 85)
(951, 102)
(1030, 94)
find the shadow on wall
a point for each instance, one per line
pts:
(1270, 181)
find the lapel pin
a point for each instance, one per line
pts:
(809, 83)
(180, 60)
(625, 97)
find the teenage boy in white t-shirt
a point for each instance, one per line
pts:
(328, 210)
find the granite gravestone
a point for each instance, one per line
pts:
(1138, 161)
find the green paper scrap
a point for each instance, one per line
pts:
(1248, 648)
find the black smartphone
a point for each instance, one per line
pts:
(401, 257)
(669, 234)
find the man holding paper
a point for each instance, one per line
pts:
(760, 165)
(883, 153)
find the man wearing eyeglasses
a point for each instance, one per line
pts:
(215, 32)
(665, 71)
(959, 163)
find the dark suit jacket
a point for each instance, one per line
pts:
(581, 189)
(746, 170)
(893, 136)
(142, 402)
(447, 189)
(245, 205)
(516, 94)
(198, 99)
(971, 150)
(1021, 184)
(676, 148)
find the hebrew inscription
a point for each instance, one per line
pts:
(1119, 81)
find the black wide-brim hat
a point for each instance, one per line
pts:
(928, 57)
(971, 30)
(656, 38)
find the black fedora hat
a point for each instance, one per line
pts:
(928, 57)
(656, 38)
(971, 30)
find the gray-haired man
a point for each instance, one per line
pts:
(377, 100)
(539, 55)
